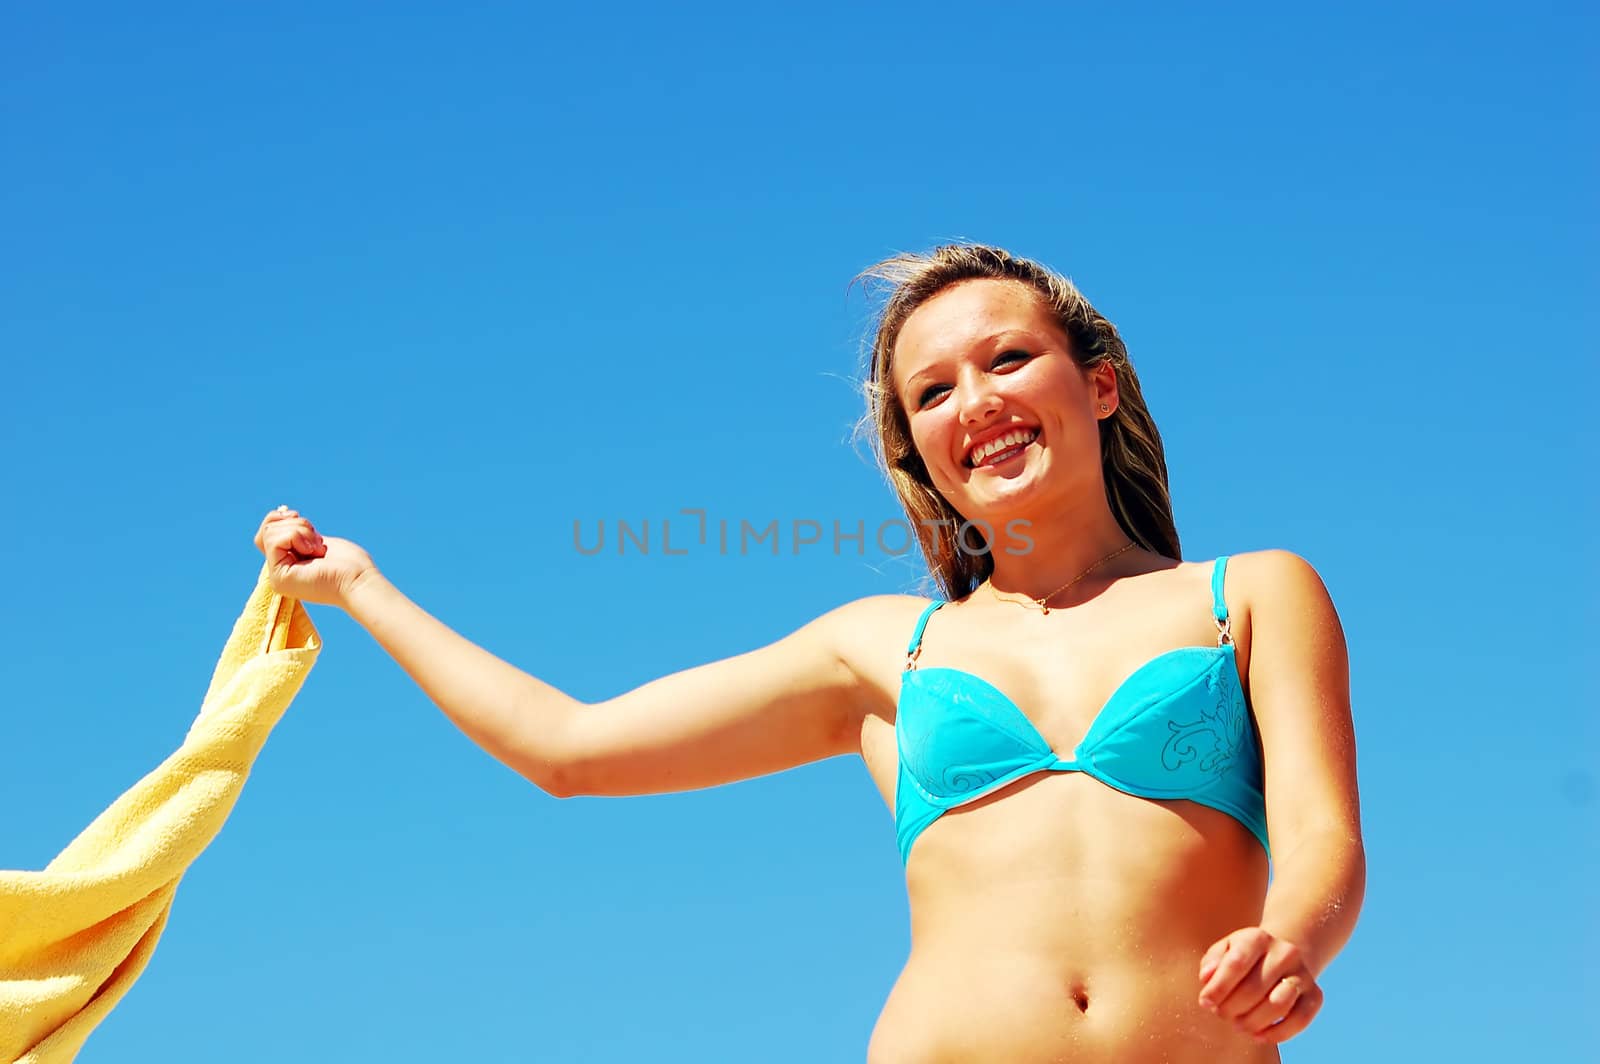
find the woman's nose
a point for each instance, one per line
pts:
(979, 401)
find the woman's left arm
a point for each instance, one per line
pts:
(1264, 978)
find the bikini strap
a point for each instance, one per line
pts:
(915, 646)
(1219, 607)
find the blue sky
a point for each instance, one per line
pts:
(449, 280)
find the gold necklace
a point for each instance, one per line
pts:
(1042, 601)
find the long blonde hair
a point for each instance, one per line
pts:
(1131, 457)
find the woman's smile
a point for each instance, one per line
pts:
(1001, 449)
(989, 387)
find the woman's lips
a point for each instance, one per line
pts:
(998, 444)
(1010, 454)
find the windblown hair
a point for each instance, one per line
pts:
(1131, 457)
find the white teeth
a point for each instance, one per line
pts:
(1000, 443)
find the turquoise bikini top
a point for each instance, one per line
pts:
(1177, 728)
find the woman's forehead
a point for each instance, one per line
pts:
(964, 316)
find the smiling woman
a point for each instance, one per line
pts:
(1090, 746)
(996, 315)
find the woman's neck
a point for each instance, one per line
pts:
(1060, 550)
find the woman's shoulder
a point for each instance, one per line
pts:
(874, 628)
(875, 613)
(1261, 572)
(1276, 584)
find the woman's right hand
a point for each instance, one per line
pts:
(304, 565)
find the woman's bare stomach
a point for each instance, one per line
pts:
(1059, 920)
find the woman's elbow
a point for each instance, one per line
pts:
(551, 769)
(557, 780)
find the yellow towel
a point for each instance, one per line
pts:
(75, 936)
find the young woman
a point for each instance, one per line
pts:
(1088, 745)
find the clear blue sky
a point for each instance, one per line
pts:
(449, 279)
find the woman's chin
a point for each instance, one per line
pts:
(1002, 492)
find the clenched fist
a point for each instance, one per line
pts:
(305, 566)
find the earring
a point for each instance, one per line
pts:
(1104, 407)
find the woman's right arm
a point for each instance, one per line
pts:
(789, 703)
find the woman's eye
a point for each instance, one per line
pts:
(1015, 356)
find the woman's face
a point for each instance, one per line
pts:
(999, 412)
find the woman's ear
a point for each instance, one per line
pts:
(1103, 384)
